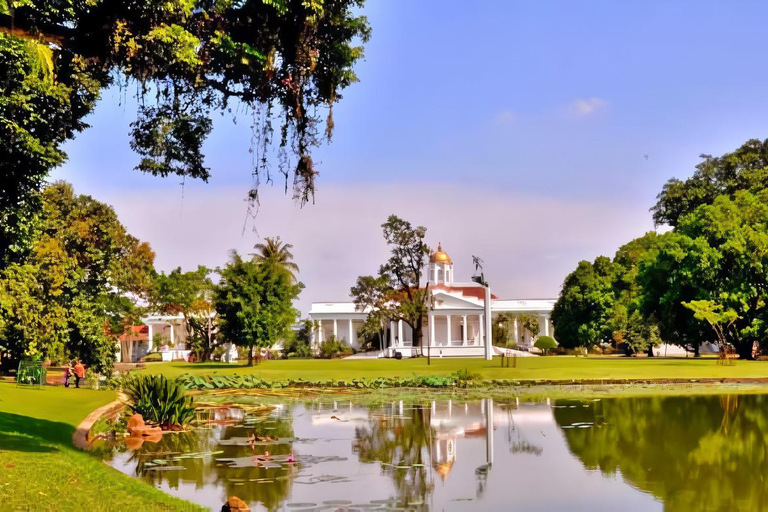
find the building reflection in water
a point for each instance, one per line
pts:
(450, 422)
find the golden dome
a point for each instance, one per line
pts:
(440, 256)
(443, 469)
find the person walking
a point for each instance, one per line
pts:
(79, 373)
(67, 373)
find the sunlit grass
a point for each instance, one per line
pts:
(548, 368)
(41, 470)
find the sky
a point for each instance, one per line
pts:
(533, 134)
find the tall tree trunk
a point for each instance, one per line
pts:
(696, 350)
(250, 355)
(650, 350)
(420, 337)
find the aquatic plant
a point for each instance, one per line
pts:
(462, 379)
(159, 400)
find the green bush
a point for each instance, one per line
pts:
(334, 347)
(461, 379)
(153, 357)
(546, 343)
(159, 400)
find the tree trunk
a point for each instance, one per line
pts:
(420, 337)
(650, 350)
(250, 355)
(696, 350)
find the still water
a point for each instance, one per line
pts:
(700, 453)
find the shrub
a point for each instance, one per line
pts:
(546, 343)
(334, 347)
(159, 400)
(298, 344)
(153, 357)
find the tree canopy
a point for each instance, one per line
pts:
(582, 312)
(396, 293)
(718, 253)
(283, 60)
(70, 295)
(255, 303)
(744, 169)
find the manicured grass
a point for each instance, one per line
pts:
(41, 470)
(550, 368)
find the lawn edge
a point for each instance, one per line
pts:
(80, 438)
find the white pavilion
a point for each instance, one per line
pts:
(455, 327)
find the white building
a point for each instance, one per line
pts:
(164, 334)
(456, 325)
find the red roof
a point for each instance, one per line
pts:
(136, 333)
(476, 292)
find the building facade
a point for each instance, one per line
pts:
(456, 325)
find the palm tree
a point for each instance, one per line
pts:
(277, 252)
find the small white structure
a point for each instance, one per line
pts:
(456, 326)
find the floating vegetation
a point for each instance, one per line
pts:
(164, 468)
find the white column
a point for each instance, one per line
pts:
(335, 328)
(482, 330)
(464, 331)
(171, 329)
(392, 333)
(351, 339)
(488, 340)
(400, 332)
(319, 332)
(431, 330)
(517, 339)
(434, 273)
(149, 340)
(448, 329)
(546, 325)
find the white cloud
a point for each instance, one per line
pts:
(585, 107)
(528, 243)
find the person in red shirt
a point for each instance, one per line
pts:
(79, 373)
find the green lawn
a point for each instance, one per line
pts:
(554, 368)
(41, 470)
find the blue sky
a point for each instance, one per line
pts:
(512, 129)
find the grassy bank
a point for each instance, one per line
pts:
(528, 368)
(41, 470)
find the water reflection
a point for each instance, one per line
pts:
(441, 455)
(697, 453)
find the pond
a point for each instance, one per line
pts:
(671, 453)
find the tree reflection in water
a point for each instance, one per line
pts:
(401, 443)
(244, 482)
(694, 453)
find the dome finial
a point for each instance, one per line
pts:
(439, 256)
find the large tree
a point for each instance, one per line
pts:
(272, 60)
(81, 278)
(582, 312)
(397, 292)
(719, 254)
(255, 303)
